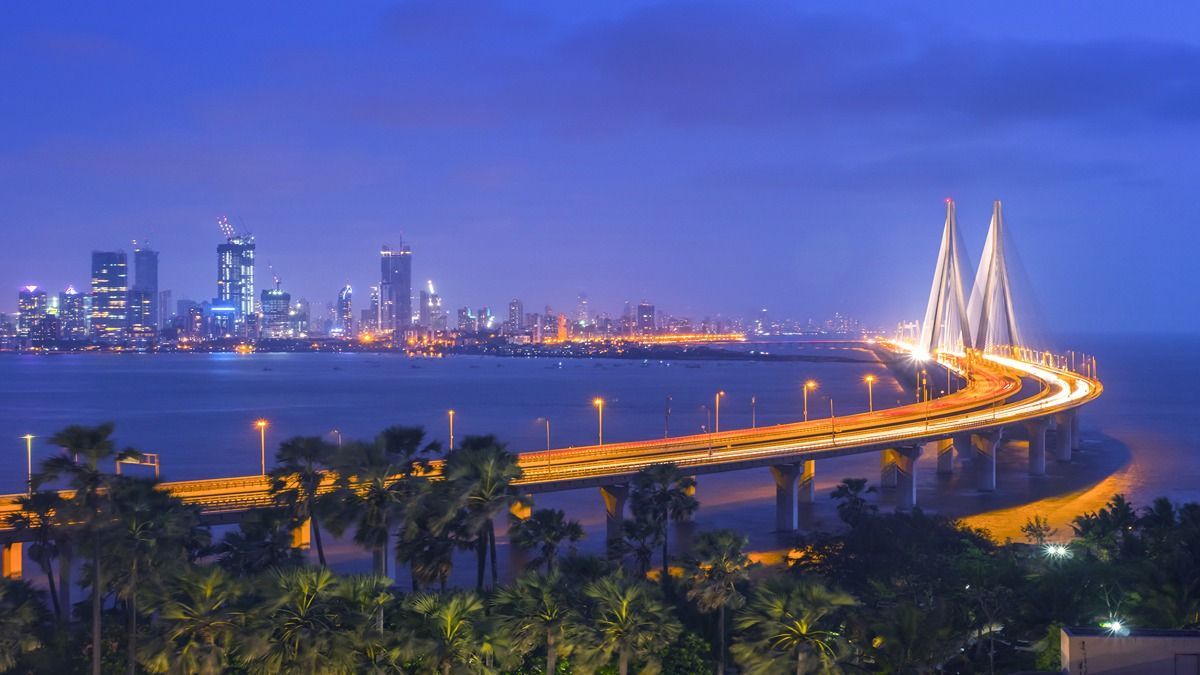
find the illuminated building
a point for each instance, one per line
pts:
(145, 281)
(141, 314)
(516, 318)
(431, 313)
(110, 295)
(31, 306)
(276, 313)
(583, 316)
(235, 277)
(45, 331)
(344, 314)
(466, 321)
(645, 319)
(73, 314)
(395, 288)
(561, 331)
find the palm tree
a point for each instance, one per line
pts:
(302, 627)
(151, 531)
(483, 471)
(545, 530)
(261, 542)
(640, 536)
(446, 630)
(852, 506)
(85, 449)
(718, 567)
(535, 612)
(300, 466)
(790, 625)
(627, 620)
(21, 611)
(662, 494)
(37, 520)
(430, 531)
(199, 623)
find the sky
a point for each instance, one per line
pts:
(710, 157)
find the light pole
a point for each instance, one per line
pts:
(832, 423)
(546, 421)
(599, 403)
(753, 412)
(870, 379)
(338, 434)
(29, 461)
(717, 417)
(667, 418)
(808, 386)
(262, 443)
(450, 413)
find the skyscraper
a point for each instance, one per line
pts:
(31, 306)
(73, 310)
(145, 280)
(516, 317)
(141, 314)
(110, 295)
(235, 275)
(395, 288)
(344, 315)
(645, 318)
(276, 308)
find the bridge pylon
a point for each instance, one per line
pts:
(990, 309)
(946, 326)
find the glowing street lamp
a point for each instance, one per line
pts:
(546, 421)
(753, 412)
(667, 417)
(599, 403)
(337, 434)
(808, 386)
(29, 461)
(870, 380)
(717, 416)
(450, 413)
(262, 443)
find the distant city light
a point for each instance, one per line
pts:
(1056, 551)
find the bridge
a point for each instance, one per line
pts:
(1008, 390)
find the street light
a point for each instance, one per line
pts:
(667, 418)
(546, 420)
(29, 460)
(717, 418)
(832, 423)
(451, 414)
(870, 380)
(262, 443)
(599, 403)
(808, 386)
(338, 434)
(753, 412)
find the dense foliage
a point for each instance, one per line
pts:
(890, 593)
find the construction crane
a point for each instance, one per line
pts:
(226, 228)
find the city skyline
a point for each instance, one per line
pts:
(613, 149)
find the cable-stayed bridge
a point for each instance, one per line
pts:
(1008, 390)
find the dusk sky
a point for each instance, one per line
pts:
(710, 157)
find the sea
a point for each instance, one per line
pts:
(197, 412)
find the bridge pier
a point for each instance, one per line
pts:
(785, 476)
(1063, 443)
(887, 469)
(691, 492)
(906, 475)
(522, 509)
(614, 510)
(806, 486)
(1075, 439)
(11, 560)
(302, 535)
(1037, 445)
(985, 444)
(945, 455)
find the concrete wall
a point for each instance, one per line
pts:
(1130, 655)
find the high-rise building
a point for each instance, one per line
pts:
(583, 316)
(516, 317)
(276, 311)
(73, 314)
(432, 315)
(141, 314)
(235, 276)
(164, 308)
(645, 319)
(110, 295)
(145, 280)
(32, 304)
(344, 314)
(395, 288)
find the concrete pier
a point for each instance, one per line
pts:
(906, 476)
(887, 469)
(11, 560)
(985, 445)
(614, 509)
(1063, 442)
(1037, 445)
(945, 455)
(302, 535)
(806, 486)
(785, 476)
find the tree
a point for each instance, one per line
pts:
(85, 449)
(444, 631)
(431, 529)
(1037, 530)
(790, 625)
(263, 541)
(545, 530)
(37, 519)
(151, 533)
(640, 536)
(22, 610)
(199, 624)
(662, 494)
(628, 620)
(719, 565)
(300, 467)
(483, 472)
(534, 613)
(852, 506)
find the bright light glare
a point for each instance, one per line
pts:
(1057, 551)
(1115, 626)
